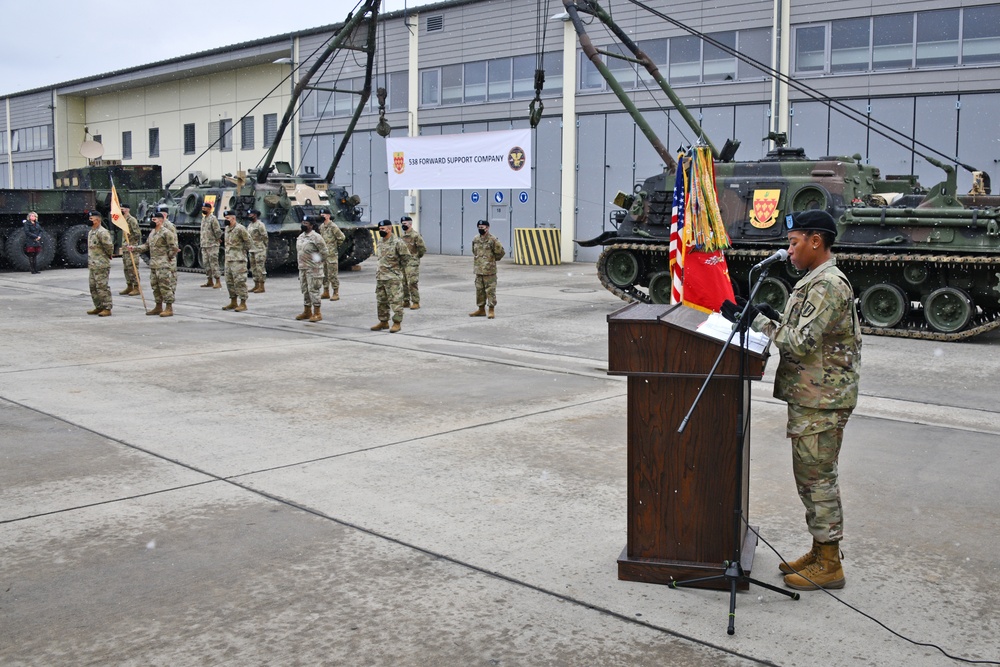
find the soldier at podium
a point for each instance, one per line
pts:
(819, 339)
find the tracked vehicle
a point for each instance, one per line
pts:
(924, 261)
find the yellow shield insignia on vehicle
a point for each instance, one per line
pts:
(398, 163)
(765, 208)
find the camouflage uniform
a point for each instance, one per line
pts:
(100, 250)
(162, 248)
(411, 272)
(392, 257)
(258, 250)
(210, 235)
(134, 238)
(486, 250)
(331, 267)
(819, 340)
(237, 245)
(312, 253)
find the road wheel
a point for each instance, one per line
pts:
(948, 309)
(659, 287)
(622, 268)
(884, 305)
(774, 292)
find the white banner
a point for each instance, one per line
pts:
(460, 161)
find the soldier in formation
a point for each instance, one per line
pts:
(411, 272)
(819, 339)
(100, 250)
(162, 248)
(311, 252)
(258, 251)
(211, 234)
(129, 260)
(392, 257)
(237, 246)
(333, 236)
(486, 251)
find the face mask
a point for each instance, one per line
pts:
(406, 227)
(482, 231)
(305, 228)
(383, 233)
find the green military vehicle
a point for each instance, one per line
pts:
(924, 261)
(62, 211)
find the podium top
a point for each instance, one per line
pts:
(675, 339)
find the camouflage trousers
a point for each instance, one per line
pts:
(131, 276)
(210, 261)
(389, 296)
(162, 282)
(258, 261)
(100, 291)
(236, 279)
(486, 290)
(411, 291)
(173, 277)
(816, 436)
(331, 272)
(311, 282)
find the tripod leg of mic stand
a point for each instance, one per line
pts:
(731, 628)
(793, 595)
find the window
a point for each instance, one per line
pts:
(399, 91)
(270, 128)
(717, 63)
(656, 49)
(345, 102)
(246, 133)
(451, 84)
(499, 79)
(590, 76)
(553, 72)
(226, 134)
(475, 82)
(685, 59)
(892, 42)
(850, 44)
(97, 138)
(154, 142)
(937, 38)
(981, 34)
(754, 44)
(188, 138)
(29, 139)
(523, 77)
(127, 145)
(430, 87)
(810, 49)
(3, 143)
(622, 70)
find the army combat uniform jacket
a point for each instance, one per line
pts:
(486, 250)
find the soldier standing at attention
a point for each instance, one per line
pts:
(411, 273)
(100, 250)
(819, 339)
(162, 248)
(331, 267)
(392, 257)
(237, 246)
(211, 233)
(129, 261)
(258, 251)
(312, 253)
(486, 250)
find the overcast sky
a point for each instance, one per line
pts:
(51, 41)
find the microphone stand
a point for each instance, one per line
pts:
(734, 573)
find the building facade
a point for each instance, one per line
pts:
(927, 69)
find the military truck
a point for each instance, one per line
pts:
(924, 261)
(62, 211)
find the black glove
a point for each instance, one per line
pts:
(731, 311)
(767, 311)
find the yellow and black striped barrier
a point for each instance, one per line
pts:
(537, 246)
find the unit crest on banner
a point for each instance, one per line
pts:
(765, 208)
(398, 162)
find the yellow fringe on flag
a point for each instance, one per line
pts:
(703, 225)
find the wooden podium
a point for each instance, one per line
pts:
(682, 487)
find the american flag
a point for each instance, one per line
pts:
(676, 234)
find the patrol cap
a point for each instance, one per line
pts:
(813, 220)
(406, 218)
(483, 222)
(385, 223)
(94, 214)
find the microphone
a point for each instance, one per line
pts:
(778, 256)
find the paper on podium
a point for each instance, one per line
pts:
(718, 327)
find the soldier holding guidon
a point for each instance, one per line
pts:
(129, 260)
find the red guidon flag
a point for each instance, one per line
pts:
(117, 219)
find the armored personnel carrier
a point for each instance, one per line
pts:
(924, 261)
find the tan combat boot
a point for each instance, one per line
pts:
(491, 314)
(801, 562)
(335, 296)
(415, 306)
(256, 285)
(243, 306)
(218, 284)
(168, 311)
(325, 294)
(396, 326)
(105, 313)
(260, 290)
(207, 283)
(126, 291)
(231, 305)
(315, 317)
(134, 292)
(478, 313)
(381, 325)
(93, 311)
(825, 572)
(157, 309)
(305, 314)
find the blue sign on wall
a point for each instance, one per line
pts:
(523, 197)
(474, 197)
(498, 197)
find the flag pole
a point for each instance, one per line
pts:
(118, 220)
